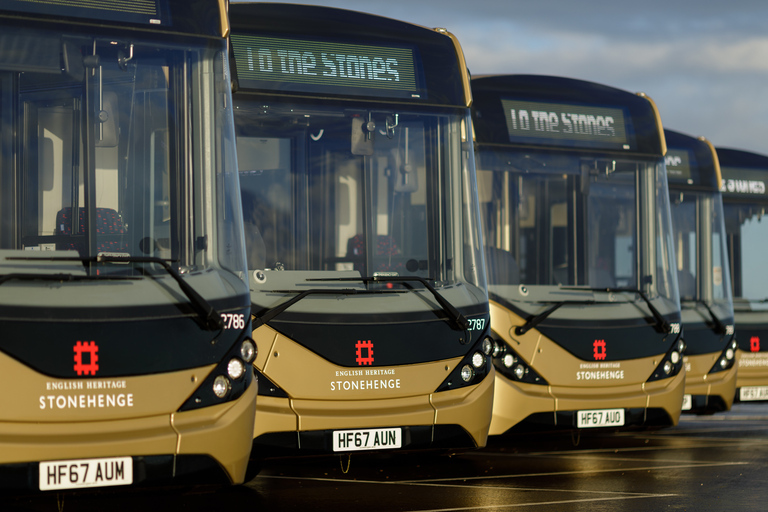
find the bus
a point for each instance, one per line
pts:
(125, 349)
(584, 302)
(703, 273)
(369, 302)
(745, 200)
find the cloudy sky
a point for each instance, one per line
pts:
(705, 63)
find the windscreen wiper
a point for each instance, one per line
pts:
(209, 317)
(537, 319)
(454, 314)
(661, 322)
(268, 315)
(719, 326)
(58, 277)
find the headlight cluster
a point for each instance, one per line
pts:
(672, 362)
(473, 368)
(513, 367)
(727, 358)
(229, 380)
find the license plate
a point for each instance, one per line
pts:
(600, 418)
(370, 439)
(83, 473)
(748, 393)
(687, 403)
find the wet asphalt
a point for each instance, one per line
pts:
(712, 463)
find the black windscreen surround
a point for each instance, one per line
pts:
(201, 17)
(556, 111)
(690, 161)
(153, 12)
(310, 50)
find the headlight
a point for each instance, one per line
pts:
(519, 371)
(467, 373)
(220, 386)
(508, 360)
(487, 346)
(674, 357)
(248, 351)
(668, 367)
(478, 360)
(235, 368)
(729, 354)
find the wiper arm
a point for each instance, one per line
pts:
(536, 320)
(661, 322)
(719, 326)
(209, 317)
(270, 314)
(454, 314)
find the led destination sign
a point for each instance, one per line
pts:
(558, 123)
(678, 164)
(325, 67)
(134, 11)
(741, 181)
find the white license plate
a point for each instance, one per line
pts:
(600, 418)
(687, 403)
(370, 439)
(77, 474)
(748, 393)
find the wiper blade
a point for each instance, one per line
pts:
(268, 315)
(661, 322)
(454, 314)
(719, 326)
(537, 319)
(59, 277)
(209, 317)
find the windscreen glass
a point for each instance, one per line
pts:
(747, 232)
(368, 192)
(555, 221)
(700, 247)
(110, 135)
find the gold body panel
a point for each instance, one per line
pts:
(698, 380)
(57, 419)
(569, 389)
(323, 396)
(752, 369)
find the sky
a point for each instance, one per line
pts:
(704, 63)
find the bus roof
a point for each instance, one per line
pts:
(198, 17)
(691, 161)
(306, 50)
(565, 112)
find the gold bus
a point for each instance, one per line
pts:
(125, 349)
(745, 200)
(581, 278)
(703, 273)
(370, 309)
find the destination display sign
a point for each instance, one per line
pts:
(132, 11)
(678, 164)
(743, 182)
(298, 65)
(558, 123)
